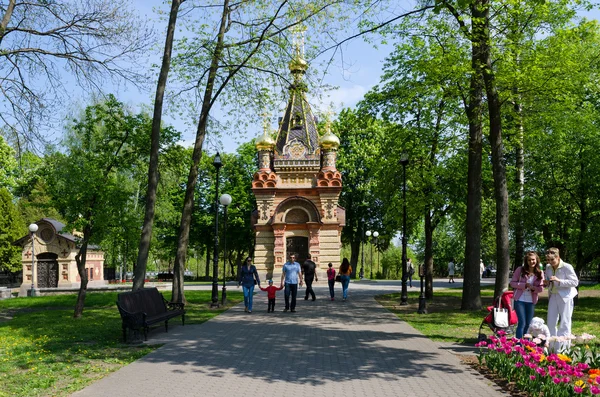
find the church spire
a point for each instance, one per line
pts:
(297, 138)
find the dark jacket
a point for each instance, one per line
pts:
(247, 276)
(308, 268)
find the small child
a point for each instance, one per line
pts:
(331, 279)
(537, 329)
(271, 290)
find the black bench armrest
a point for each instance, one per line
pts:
(173, 305)
(133, 320)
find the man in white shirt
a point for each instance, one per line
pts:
(291, 274)
(561, 282)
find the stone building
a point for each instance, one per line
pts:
(54, 259)
(297, 188)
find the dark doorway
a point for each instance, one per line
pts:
(299, 246)
(47, 270)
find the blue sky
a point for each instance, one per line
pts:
(362, 70)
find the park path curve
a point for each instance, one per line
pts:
(325, 349)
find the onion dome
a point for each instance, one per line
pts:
(329, 141)
(265, 142)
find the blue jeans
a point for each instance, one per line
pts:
(524, 314)
(248, 295)
(345, 283)
(293, 290)
(331, 284)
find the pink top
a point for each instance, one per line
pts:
(518, 283)
(331, 274)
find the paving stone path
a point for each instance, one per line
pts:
(328, 349)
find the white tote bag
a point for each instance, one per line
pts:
(500, 317)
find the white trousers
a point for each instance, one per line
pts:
(558, 308)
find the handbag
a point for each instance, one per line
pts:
(338, 278)
(500, 317)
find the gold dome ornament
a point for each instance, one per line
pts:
(329, 141)
(265, 142)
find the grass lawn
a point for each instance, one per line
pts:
(44, 351)
(447, 323)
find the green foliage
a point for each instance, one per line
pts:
(12, 228)
(8, 165)
(360, 149)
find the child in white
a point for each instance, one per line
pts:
(537, 327)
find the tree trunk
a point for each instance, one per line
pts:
(354, 254)
(188, 203)
(428, 254)
(80, 258)
(481, 13)
(520, 181)
(146, 237)
(583, 218)
(471, 298)
(6, 18)
(207, 264)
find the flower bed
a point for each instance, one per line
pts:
(575, 372)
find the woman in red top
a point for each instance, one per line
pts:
(331, 279)
(271, 290)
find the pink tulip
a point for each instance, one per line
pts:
(578, 390)
(595, 390)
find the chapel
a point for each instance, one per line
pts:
(297, 187)
(49, 259)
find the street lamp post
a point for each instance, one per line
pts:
(422, 300)
(404, 294)
(362, 244)
(32, 229)
(215, 284)
(368, 234)
(225, 201)
(376, 235)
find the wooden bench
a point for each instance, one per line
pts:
(145, 307)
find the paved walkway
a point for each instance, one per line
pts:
(328, 349)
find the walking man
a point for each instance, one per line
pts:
(561, 281)
(309, 268)
(291, 274)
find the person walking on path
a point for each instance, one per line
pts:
(345, 271)
(451, 271)
(291, 274)
(331, 279)
(561, 281)
(309, 268)
(482, 268)
(248, 279)
(271, 292)
(527, 282)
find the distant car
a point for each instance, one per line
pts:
(489, 272)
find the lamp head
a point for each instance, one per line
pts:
(33, 228)
(225, 199)
(404, 158)
(217, 161)
(368, 233)
(376, 234)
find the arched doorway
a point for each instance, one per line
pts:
(47, 270)
(297, 245)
